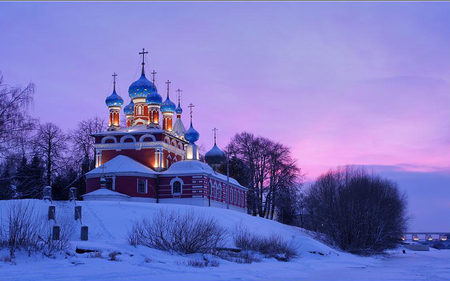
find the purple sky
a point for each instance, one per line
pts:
(340, 83)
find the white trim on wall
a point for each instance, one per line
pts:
(146, 186)
(122, 139)
(176, 180)
(109, 138)
(142, 138)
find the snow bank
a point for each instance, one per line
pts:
(109, 223)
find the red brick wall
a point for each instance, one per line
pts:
(165, 189)
(126, 185)
(191, 187)
(143, 156)
(242, 193)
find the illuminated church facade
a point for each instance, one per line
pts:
(154, 158)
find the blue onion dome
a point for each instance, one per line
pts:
(153, 98)
(191, 134)
(141, 88)
(168, 106)
(129, 109)
(215, 156)
(114, 100)
(178, 110)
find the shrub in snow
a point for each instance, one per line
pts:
(358, 212)
(240, 257)
(272, 246)
(67, 229)
(184, 232)
(21, 228)
(113, 256)
(205, 262)
(25, 228)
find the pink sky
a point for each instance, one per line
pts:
(340, 83)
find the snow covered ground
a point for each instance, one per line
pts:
(109, 222)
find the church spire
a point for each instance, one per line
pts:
(143, 53)
(168, 84)
(215, 135)
(153, 76)
(179, 110)
(179, 96)
(215, 156)
(114, 83)
(190, 109)
(114, 103)
(191, 136)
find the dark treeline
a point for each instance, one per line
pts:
(33, 155)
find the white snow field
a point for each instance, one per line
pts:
(109, 222)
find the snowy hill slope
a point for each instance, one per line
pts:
(109, 223)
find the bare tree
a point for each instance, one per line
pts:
(15, 122)
(50, 143)
(246, 147)
(270, 169)
(82, 140)
(284, 179)
(358, 212)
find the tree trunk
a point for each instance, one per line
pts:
(49, 162)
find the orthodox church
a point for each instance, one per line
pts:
(154, 158)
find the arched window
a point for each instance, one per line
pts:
(176, 187)
(142, 186)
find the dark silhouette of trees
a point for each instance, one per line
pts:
(359, 212)
(269, 172)
(238, 170)
(30, 151)
(82, 140)
(6, 187)
(50, 143)
(30, 178)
